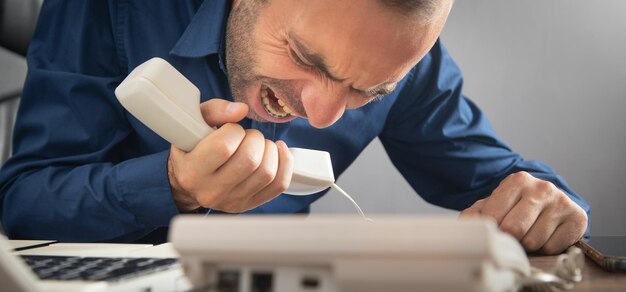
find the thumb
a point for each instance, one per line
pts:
(217, 112)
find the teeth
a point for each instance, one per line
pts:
(271, 108)
(287, 109)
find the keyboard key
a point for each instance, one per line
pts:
(95, 268)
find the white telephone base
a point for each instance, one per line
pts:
(166, 102)
(341, 253)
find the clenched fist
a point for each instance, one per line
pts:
(231, 169)
(535, 212)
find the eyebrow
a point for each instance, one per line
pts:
(318, 62)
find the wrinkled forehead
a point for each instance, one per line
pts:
(363, 39)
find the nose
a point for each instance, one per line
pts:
(324, 103)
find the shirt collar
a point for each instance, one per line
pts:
(205, 33)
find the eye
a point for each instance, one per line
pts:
(371, 97)
(374, 93)
(299, 61)
(387, 89)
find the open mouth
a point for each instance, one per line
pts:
(273, 105)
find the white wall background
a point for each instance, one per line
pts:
(551, 76)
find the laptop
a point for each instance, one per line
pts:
(51, 266)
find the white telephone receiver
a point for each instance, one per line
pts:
(169, 104)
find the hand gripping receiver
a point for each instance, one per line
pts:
(166, 102)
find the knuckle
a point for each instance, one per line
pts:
(245, 165)
(530, 244)
(540, 193)
(279, 186)
(234, 131)
(265, 175)
(271, 149)
(232, 127)
(285, 156)
(254, 133)
(544, 187)
(517, 176)
(256, 157)
(514, 229)
(565, 204)
(534, 200)
(579, 217)
(250, 157)
(520, 177)
(221, 148)
(249, 163)
(568, 204)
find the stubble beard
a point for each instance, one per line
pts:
(240, 57)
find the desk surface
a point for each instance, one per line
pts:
(594, 278)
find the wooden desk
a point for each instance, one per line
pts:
(594, 278)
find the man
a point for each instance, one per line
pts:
(326, 74)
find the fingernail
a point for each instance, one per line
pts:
(233, 107)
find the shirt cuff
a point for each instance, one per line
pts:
(145, 189)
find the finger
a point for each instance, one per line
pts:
(263, 175)
(563, 237)
(216, 149)
(217, 112)
(244, 161)
(522, 217)
(540, 231)
(474, 209)
(503, 198)
(571, 229)
(282, 179)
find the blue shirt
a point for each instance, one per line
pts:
(84, 169)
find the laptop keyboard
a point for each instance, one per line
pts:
(95, 268)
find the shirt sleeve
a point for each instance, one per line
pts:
(443, 144)
(77, 173)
